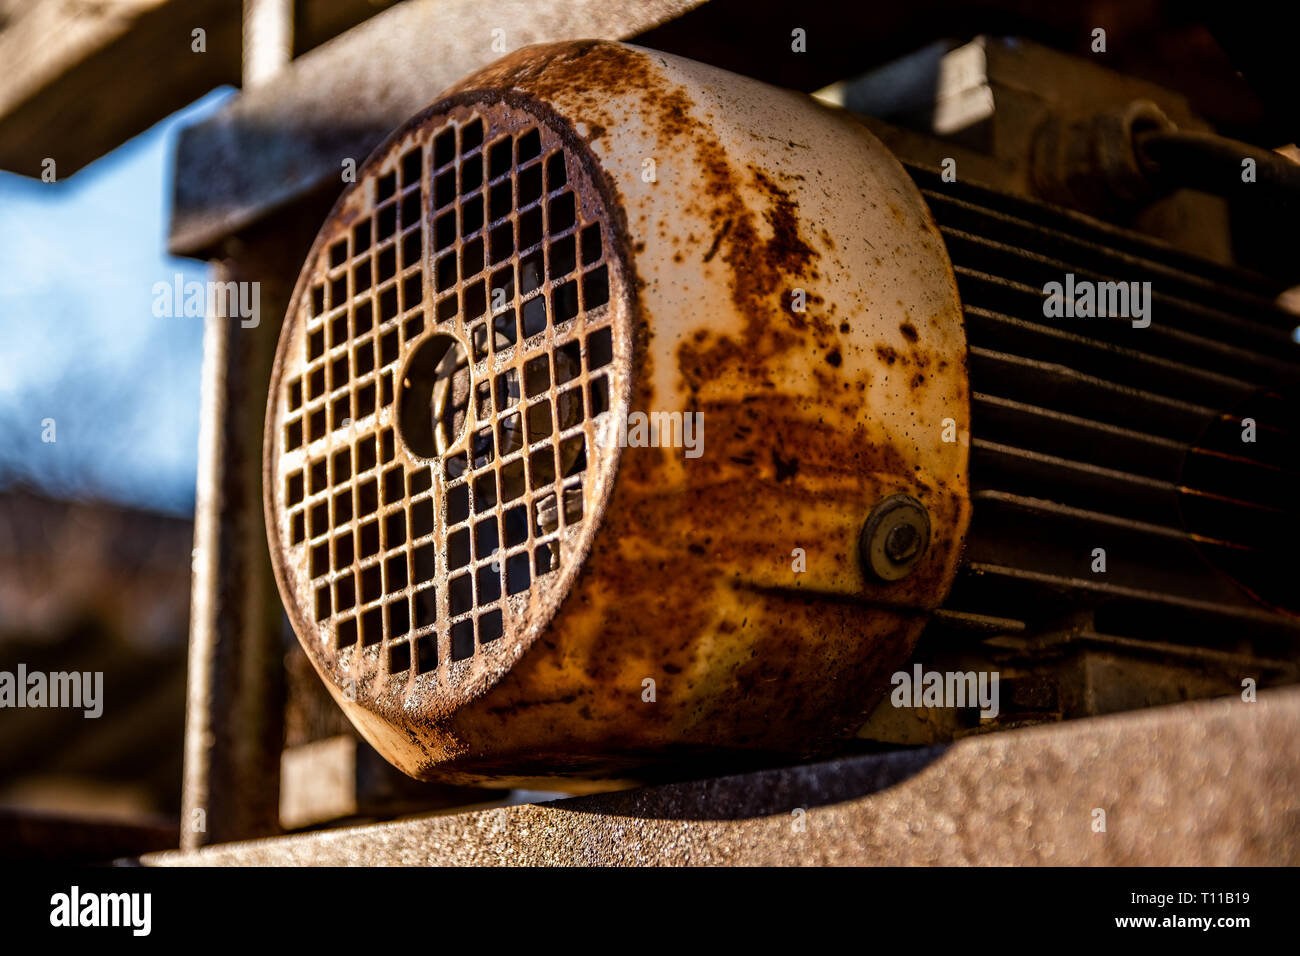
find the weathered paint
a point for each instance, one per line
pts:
(809, 418)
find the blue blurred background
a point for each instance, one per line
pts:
(81, 346)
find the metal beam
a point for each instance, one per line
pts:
(234, 709)
(293, 133)
(61, 57)
(1208, 783)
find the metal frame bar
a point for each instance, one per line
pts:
(1201, 784)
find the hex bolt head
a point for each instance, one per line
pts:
(894, 538)
(902, 542)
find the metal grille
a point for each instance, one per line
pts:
(1091, 433)
(443, 390)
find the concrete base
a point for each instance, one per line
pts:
(1207, 783)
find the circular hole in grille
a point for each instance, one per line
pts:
(444, 398)
(435, 389)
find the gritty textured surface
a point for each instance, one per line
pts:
(1209, 783)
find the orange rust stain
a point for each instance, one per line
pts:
(717, 240)
(763, 268)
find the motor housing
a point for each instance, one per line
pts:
(588, 388)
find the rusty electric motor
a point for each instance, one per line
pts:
(602, 397)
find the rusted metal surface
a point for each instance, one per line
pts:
(678, 570)
(290, 136)
(1205, 784)
(383, 584)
